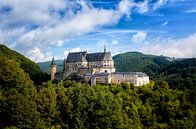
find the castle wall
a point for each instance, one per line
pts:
(107, 63)
(74, 67)
(124, 78)
(142, 81)
(101, 64)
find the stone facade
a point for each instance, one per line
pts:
(96, 68)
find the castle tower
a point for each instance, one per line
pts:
(53, 69)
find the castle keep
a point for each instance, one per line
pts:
(96, 68)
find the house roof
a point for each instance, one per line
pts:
(99, 56)
(76, 57)
(53, 62)
(91, 57)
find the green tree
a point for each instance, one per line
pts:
(13, 79)
(46, 104)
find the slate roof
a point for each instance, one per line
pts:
(84, 57)
(99, 56)
(76, 57)
(53, 62)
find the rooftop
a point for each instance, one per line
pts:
(91, 57)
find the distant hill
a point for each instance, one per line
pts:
(26, 64)
(136, 61)
(45, 66)
(180, 74)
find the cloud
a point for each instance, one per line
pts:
(51, 23)
(159, 3)
(38, 12)
(125, 7)
(80, 24)
(37, 55)
(165, 23)
(142, 7)
(139, 36)
(191, 11)
(180, 48)
(115, 42)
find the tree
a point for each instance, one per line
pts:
(46, 104)
(13, 79)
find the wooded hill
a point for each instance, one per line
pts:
(72, 105)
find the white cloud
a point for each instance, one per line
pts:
(159, 3)
(32, 11)
(139, 36)
(38, 24)
(191, 11)
(165, 23)
(37, 55)
(142, 7)
(125, 7)
(115, 42)
(183, 47)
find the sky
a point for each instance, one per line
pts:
(42, 29)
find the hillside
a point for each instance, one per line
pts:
(136, 61)
(180, 74)
(26, 64)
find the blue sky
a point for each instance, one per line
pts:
(47, 28)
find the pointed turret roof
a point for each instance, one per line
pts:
(104, 48)
(53, 62)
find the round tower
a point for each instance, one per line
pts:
(53, 69)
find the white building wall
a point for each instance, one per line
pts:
(124, 78)
(142, 81)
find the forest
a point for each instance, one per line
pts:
(29, 101)
(80, 106)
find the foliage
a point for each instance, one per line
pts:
(79, 106)
(13, 79)
(180, 74)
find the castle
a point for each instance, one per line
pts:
(96, 68)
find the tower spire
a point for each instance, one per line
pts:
(104, 48)
(53, 62)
